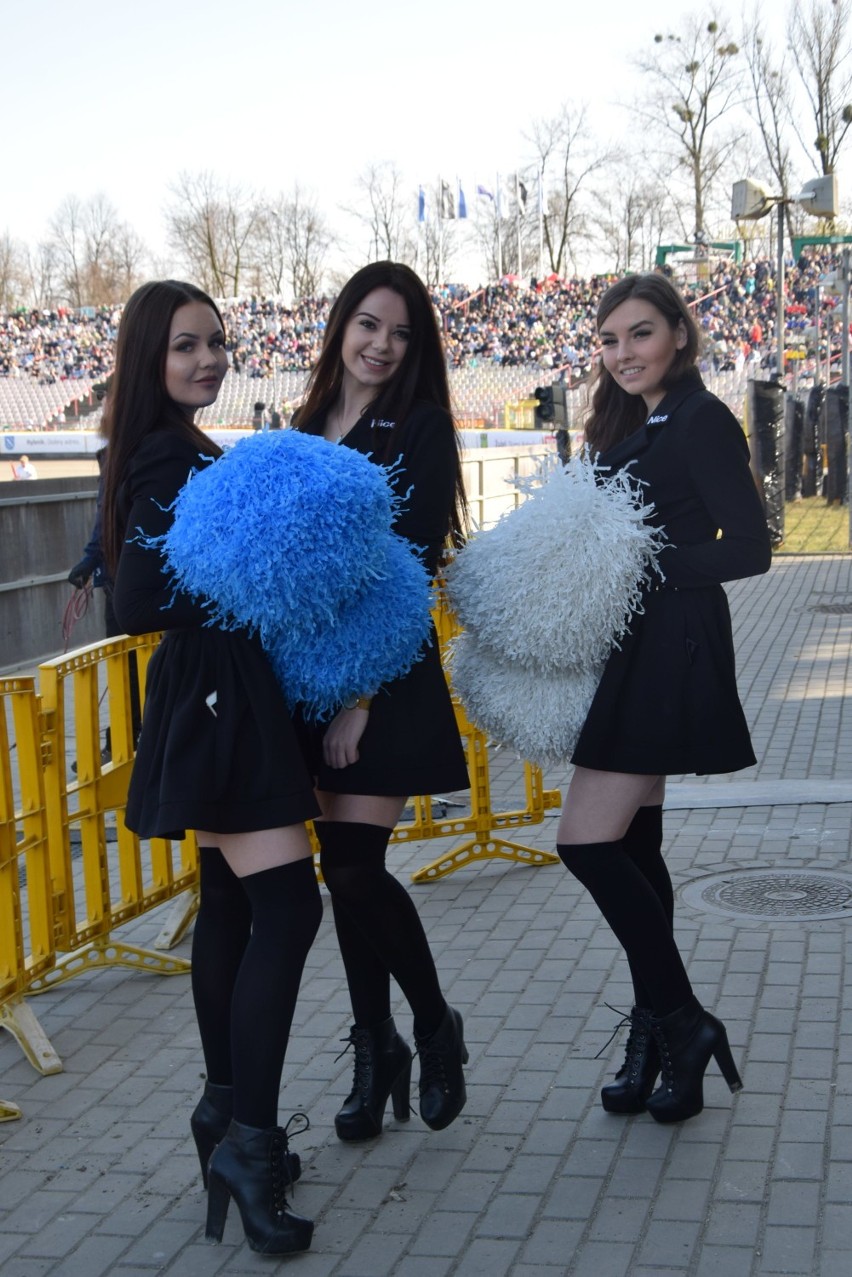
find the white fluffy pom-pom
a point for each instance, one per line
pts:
(554, 583)
(539, 715)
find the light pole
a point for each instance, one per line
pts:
(750, 201)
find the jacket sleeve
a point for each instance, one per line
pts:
(428, 484)
(714, 456)
(144, 597)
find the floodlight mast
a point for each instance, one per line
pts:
(750, 201)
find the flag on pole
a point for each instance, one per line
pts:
(448, 207)
(462, 202)
(421, 205)
(522, 194)
(485, 193)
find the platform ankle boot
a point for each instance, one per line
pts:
(382, 1069)
(442, 1089)
(686, 1039)
(635, 1080)
(249, 1165)
(210, 1121)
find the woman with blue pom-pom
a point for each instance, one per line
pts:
(217, 753)
(667, 702)
(380, 387)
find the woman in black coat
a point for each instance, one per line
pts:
(667, 702)
(380, 386)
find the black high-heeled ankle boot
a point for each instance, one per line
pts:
(686, 1039)
(382, 1069)
(442, 1090)
(249, 1166)
(210, 1121)
(635, 1080)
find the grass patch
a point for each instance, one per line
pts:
(812, 526)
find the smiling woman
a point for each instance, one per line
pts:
(196, 361)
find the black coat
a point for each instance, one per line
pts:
(667, 702)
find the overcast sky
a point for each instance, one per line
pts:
(103, 95)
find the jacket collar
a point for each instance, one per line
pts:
(642, 438)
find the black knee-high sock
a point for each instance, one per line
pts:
(286, 912)
(381, 931)
(219, 941)
(633, 910)
(643, 843)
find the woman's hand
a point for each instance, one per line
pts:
(340, 746)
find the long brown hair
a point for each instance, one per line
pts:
(615, 414)
(422, 375)
(138, 401)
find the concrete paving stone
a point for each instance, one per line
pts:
(685, 1200)
(94, 1257)
(509, 1215)
(741, 1182)
(402, 1217)
(667, 1243)
(836, 1226)
(637, 1178)
(807, 1063)
(732, 1261)
(25, 1267)
(795, 1202)
(766, 1048)
(203, 1260)
(373, 1255)
(603, 1259)
(734, 1224)
(798, 1161)
(444, 1233)
(58, 1236)
(420, 1266)
(789, 1250)
(486, 1256)
(552, 1241)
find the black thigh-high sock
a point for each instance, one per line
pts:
(286, 912)
(219, 941)
(381, 930)
(643, 843)
(633, 910)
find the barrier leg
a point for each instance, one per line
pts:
(180, 919)
(18, 1018)
(483, 849)
(9, 1112)
(105, 952)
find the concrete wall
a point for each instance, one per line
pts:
(43, 529)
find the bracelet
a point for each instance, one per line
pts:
(358, 702)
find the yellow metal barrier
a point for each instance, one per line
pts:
(54, 925)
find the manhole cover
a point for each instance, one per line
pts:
(787, 896)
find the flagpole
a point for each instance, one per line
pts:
(499, 232)
(540, 223)
(518, 219)
(441, 211)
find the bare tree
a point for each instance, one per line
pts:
(819, 41)
(631, 217)
(770, 103)
(385, 208)
(510, 220)
(12, 272)
(566, 156)
(97, 257)
(697, 84)
(293, 240)
(437, 235)
(213, 225)
(42, 275)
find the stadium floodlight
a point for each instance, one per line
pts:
(819, 196)
(749, 200)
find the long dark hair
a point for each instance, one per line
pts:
(422, 375)
(138, 401)
(615, 414)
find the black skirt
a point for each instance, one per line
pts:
(411, 744)
(667, 703)
(218, 750)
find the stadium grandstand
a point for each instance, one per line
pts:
(501, 341)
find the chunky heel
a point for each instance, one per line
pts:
(218, 1201)
(401, 1095)
(210, 1121)
(723, 1057)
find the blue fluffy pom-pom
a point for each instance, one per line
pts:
(375, 637)
(276, 517)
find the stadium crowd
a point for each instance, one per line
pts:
(548, 323)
